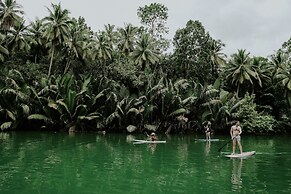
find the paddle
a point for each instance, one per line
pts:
(225, 144)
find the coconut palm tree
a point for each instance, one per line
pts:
(57, 26)
(77, 46)
(145, 54)
(217, 58)
(264, 70)
(111, 34)
(37, 41)
(101, 49)
(127, 37)
(240, 71)
(284, 77)
(18, 39)
(10, 13)
(278, 61)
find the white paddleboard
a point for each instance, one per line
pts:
(242, 155)
(137, 141)
(207, 140)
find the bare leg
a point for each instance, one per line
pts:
(240, 147)
(233, 145)
(207, 136)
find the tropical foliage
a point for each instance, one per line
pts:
(58, 74)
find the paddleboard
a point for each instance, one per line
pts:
(207, 140)
(137, 141)
(242, 155)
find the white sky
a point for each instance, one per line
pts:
(259, 26)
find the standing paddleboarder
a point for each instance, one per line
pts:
(207, 131)
(235, 132)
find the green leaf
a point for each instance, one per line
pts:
(25, 109)
(120, 109)
(90, 117)
(252, 73)
(65, 106)
(131, 128)
(80, 110)
(53, 104)
(71, 100)
(150, 127)
(38, 117)
(178, 112)
(205, 115)
(112, 116)
(246, 76)
(11, 115)
(189, 100)
(6, 125)
(134, 110)
(85, 86)
(217, 84)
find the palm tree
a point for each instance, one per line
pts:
(101, 48)
(217, 58)
(3, 49)
(111, 33)
(127, 37)
(264, 69)
(284, 77)
(278, 61)
(10, 14)
(18, 39)
(145, 54)
(240, 70)
(37, 41)
(76, 47)
(264, 92)
(57, 26)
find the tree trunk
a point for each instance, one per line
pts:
(51, 62)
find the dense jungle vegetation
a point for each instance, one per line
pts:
(56, 73)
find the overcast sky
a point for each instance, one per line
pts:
(259, 26)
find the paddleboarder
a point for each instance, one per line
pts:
(207, 131)
(153, 137)
(235, 132)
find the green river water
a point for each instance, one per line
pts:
(38, 162)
